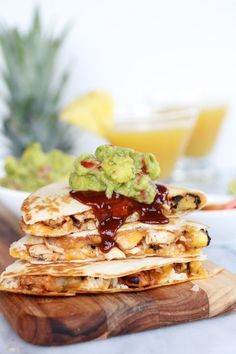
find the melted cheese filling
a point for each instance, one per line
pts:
(72, 223)
(129, 243)
(169, 274)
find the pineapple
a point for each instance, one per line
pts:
(92, 111)
(33, 92)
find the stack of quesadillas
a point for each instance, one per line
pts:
(89, 243)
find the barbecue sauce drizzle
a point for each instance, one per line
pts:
(112, 213)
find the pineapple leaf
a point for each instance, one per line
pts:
(34, 88)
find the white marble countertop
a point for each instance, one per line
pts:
(212, 336)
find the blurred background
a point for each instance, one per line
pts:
(154, 75)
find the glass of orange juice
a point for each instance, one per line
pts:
(196, 164)
(206, 130)
(166, 134)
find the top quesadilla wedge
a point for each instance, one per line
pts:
(52, 211)
(114, 276)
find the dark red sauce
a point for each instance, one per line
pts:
(112, 213)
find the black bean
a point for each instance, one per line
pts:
(176, 200)
(197, 199)
(134, 279)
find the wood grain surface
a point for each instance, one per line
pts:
(57, 321)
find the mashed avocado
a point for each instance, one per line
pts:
(36, 168)
(117, 169)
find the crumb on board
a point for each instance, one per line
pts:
(195, 288)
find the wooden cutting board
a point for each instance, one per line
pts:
(54, 321)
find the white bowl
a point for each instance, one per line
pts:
(222, 223)
(12, 200)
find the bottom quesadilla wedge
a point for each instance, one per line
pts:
(60, 279)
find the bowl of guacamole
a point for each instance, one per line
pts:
(21, 176)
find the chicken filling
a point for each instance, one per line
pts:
(173, 273)
(188, 241)
(86, 221)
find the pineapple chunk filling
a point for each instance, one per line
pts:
(183, 203)
(136, 243)
(173, 273)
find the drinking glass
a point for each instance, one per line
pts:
(163, 133)
(196, 167)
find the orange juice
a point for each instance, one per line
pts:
(206, 131)
(166, 140)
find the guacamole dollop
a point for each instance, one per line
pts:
(35, 168)
(117, 169)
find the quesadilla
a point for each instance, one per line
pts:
(136, 240)
(114, 276)
(52, 211)
(111, 229)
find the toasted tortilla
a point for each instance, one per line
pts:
(51, 211)
(21, 277)
(51, 202)
(105, 269)
(136, 240)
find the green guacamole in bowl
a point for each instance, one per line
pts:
(36, 169)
